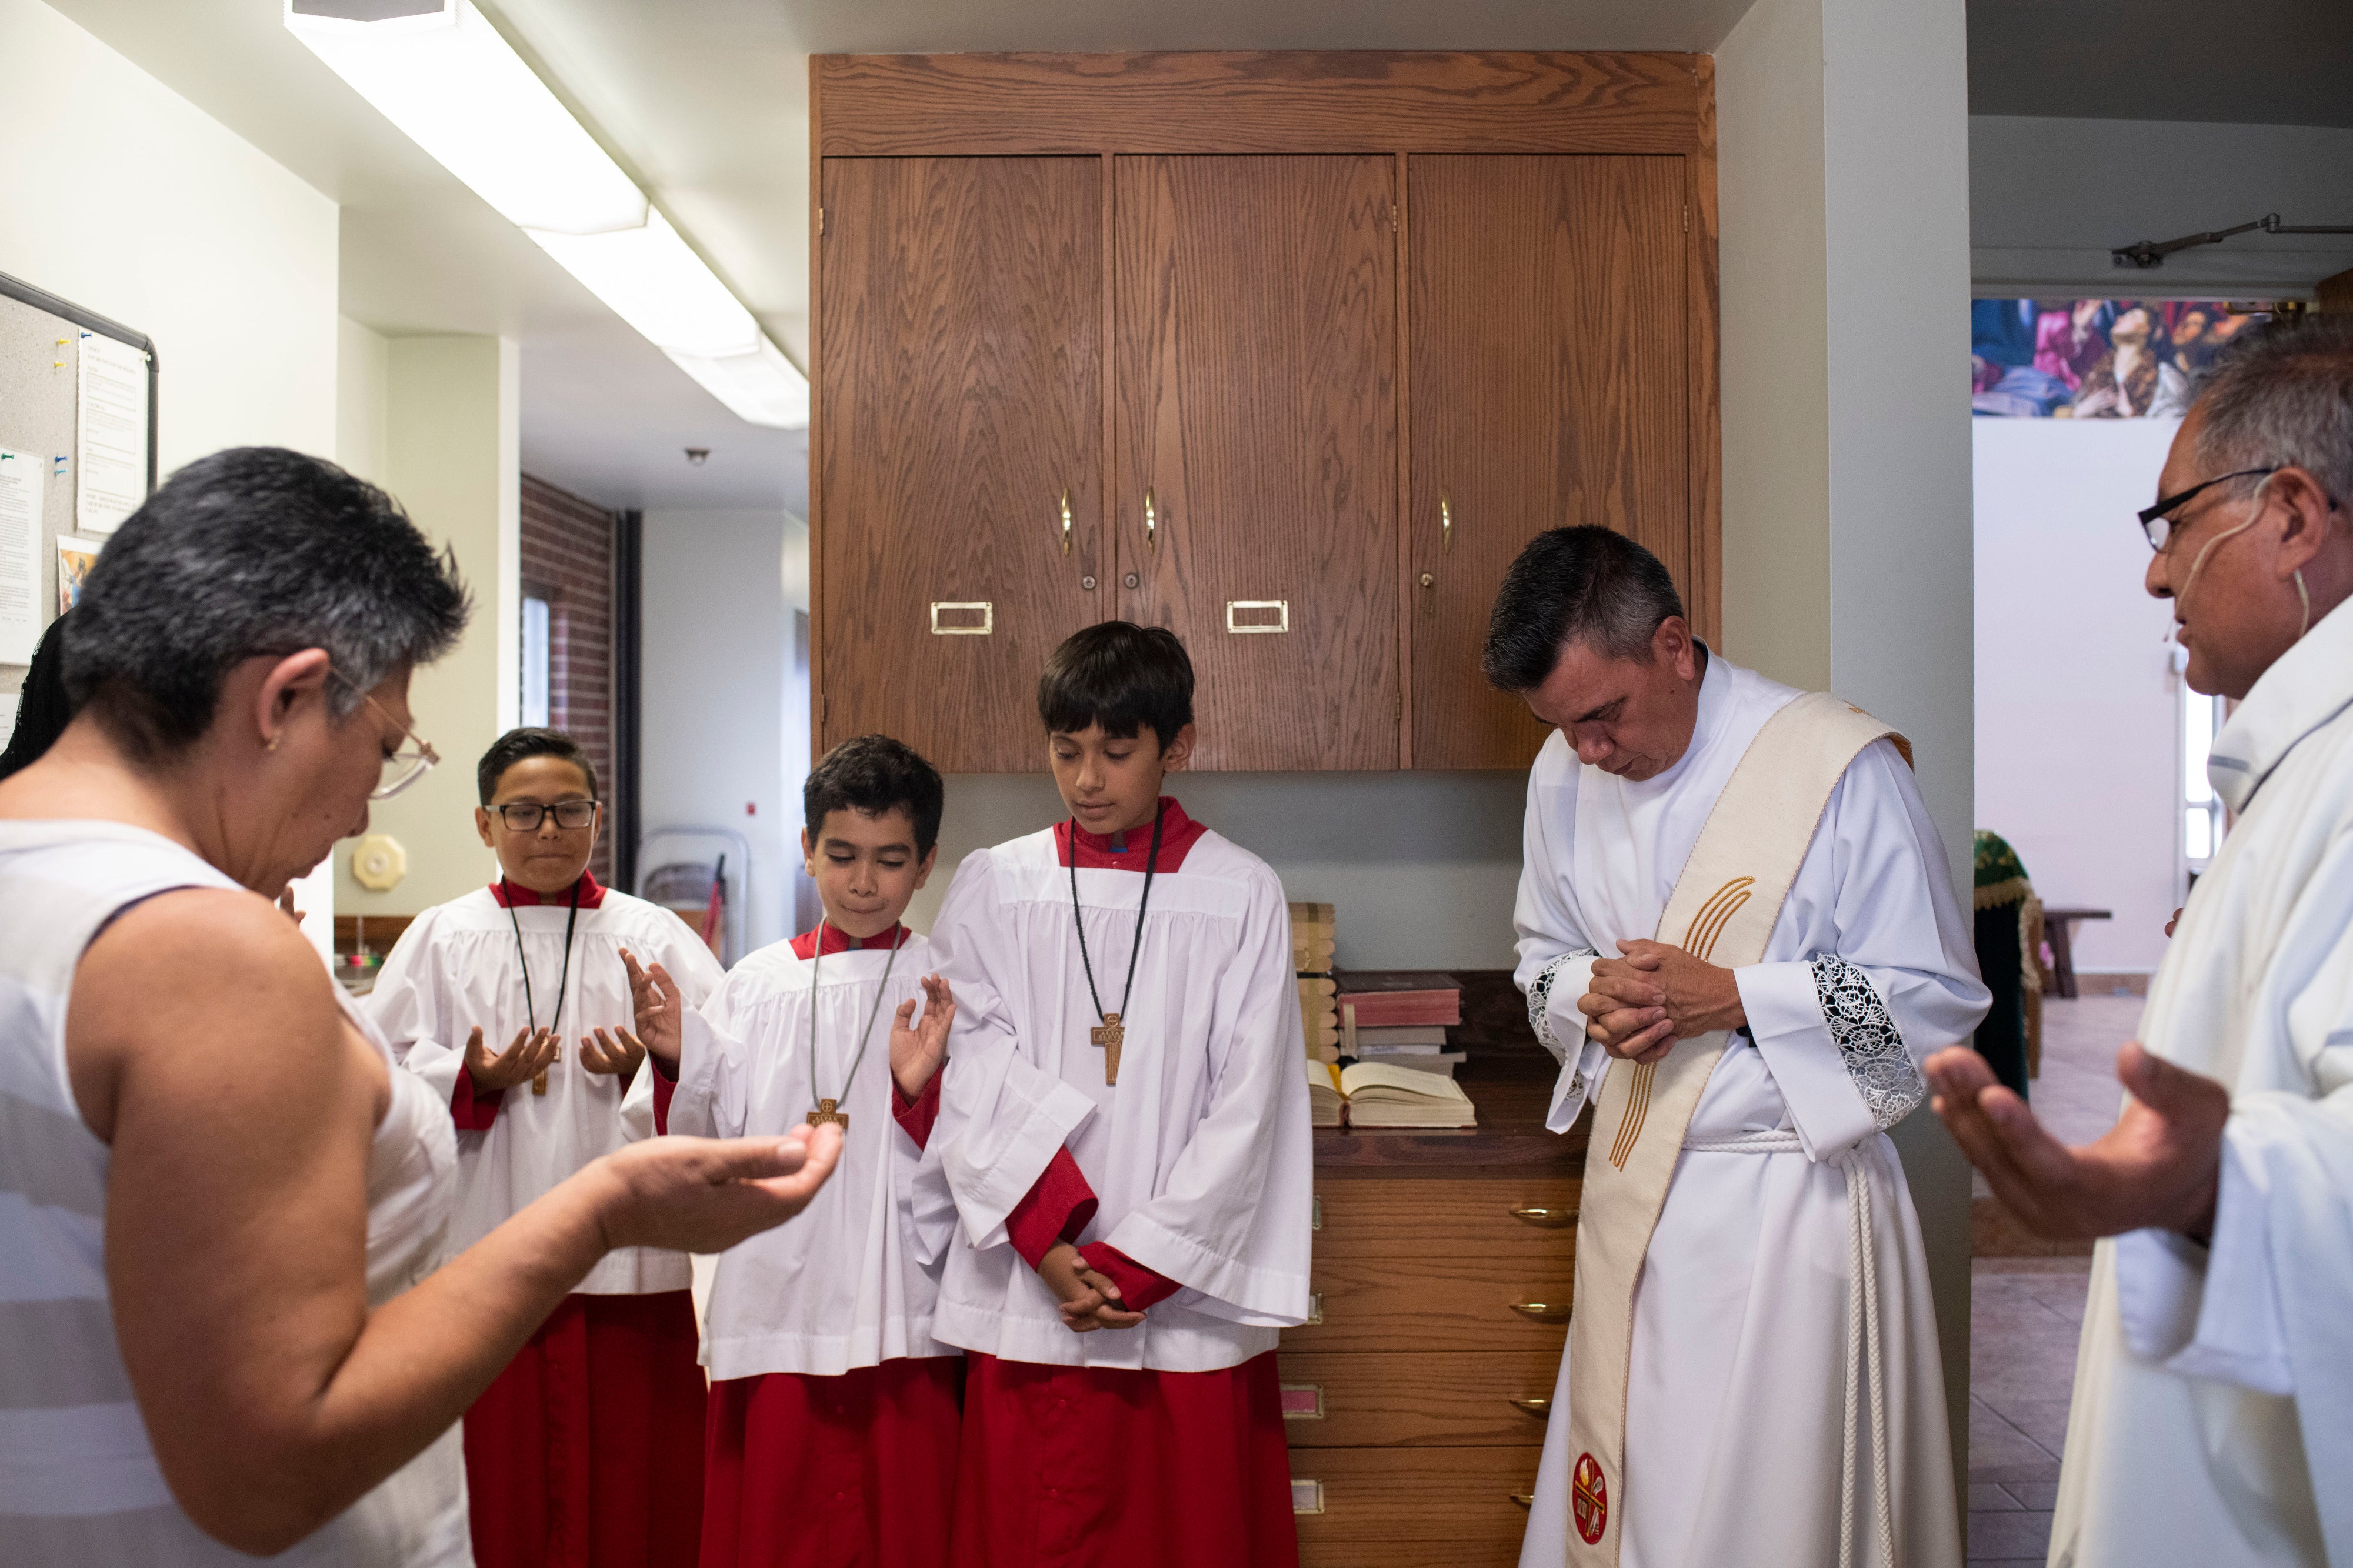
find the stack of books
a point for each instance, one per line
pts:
(1311, 959)
(1378, 1094)
(1399, 1018)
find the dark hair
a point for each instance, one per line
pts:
(253, 550)
(43, 708)
(1119, 675)
(529, 741)
(1587, 585)
(875, 774)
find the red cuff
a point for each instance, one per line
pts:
(472, 1112)
(917, 1115)
(1139, 1288)
(1057, 1209)
(665, 1086)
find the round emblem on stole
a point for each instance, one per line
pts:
(1589, 1500)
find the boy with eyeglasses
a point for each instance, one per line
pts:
(589, 1448)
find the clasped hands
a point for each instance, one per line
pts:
(1640, 1004)
(1089, 1301)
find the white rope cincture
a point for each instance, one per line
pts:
(1864, 1362)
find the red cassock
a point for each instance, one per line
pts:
(853, 1471)
(587, 1452)
(1148, 1469)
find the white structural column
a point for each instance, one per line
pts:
(437, 421)
(1844, 209)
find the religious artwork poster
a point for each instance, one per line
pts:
(75, 558)
(2094, 359)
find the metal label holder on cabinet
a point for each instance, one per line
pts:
(981, 607)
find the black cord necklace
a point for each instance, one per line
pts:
(529, 1011)
(1112, 1032)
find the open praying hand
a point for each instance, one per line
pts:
(1640, 1005)
(659, 1005)
(920, 1049)
(526, 1055)
(602, 1053)
(1089, 1302)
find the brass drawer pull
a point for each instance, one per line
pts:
(1551, 1219)
(1539, 1408)
(1525, 1500)
(1152, 541)
(1307, 1497)
(1280, 609)
(964, 628)
(1445, 524)
(1066, 522)
(1541, 1311)
(1315, 1213)
(1315, 1306)
(1302, 1401)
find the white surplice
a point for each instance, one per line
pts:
(458, 966)
(2212, 1420)
(1200, 1157)
(841, 1286)
(1733, 1408)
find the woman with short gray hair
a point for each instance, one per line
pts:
(218, 1200)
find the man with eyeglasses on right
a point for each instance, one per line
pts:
(589, 1448)
(2212, 1420)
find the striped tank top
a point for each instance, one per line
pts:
(79, 1480)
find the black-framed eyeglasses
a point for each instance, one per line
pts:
(2160, 527)
(525, 816)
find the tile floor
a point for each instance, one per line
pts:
(2025, 1313)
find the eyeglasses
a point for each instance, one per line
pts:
(525, 816)
(401, 768)
(2160, 527)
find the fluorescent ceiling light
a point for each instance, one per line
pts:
(458, 88)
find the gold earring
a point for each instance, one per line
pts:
(274, 744)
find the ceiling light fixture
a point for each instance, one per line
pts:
(444, 76)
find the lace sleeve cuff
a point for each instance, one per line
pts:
(1869, 1044)
(1577, 967)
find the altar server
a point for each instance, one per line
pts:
(834, 1414)
(1124, 1149)
(1738, 932)
(2212, 1420)
(480, 997)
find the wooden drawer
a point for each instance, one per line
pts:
(1414, 1508)
(1459, 1399)
(1405, 1218)
(1440, 1302)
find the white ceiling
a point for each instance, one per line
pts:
(706, 102)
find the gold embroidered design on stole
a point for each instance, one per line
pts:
(1699, 941)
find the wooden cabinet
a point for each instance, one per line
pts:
(1313, 343)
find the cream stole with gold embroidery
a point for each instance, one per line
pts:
(1723, 910)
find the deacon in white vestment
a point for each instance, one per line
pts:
(2212, 1419)
(1734, 1426)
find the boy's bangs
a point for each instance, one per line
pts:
(1122, 677)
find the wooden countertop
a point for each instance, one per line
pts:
(1509, 1078)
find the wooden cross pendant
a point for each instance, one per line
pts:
(1108, 1035)
(829, 1110)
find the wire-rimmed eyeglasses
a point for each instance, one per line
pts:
(525, 816)
(401, 768)
(2158, 526)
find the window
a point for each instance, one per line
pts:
(2202, 809)
(535, 654)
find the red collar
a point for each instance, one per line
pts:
(838, 940)
(1178, 833)
(515, 896)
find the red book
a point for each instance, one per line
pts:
(1389, 998)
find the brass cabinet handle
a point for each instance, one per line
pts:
(1525, 1500)
(1445, 524)
(1151, 522)
(964, 627)
(1548, 1217)
(1539, 1408)
(1066, 522)
(1541, 1311)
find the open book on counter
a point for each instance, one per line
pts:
(1376, 1094)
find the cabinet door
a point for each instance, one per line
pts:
(961, 399)
(1548, 387)
(1255, 362)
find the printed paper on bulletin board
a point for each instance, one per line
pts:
(110, 434)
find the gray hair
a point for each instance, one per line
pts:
(2280, 397)
(1587, 585)
(253, 550)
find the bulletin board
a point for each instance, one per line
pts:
(43, 393)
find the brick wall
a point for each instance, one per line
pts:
(567, 557)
